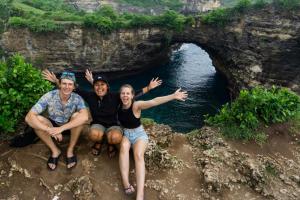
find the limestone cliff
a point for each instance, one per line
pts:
(260, 47)
(195, 6)
(125, 50)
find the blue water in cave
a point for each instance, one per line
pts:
(191, 69)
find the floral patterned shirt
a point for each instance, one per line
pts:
(58, 112)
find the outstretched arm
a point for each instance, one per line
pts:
(155, 82)
(89, 76)
(178, 95)
(50, 76)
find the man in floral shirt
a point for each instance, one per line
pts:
(66, 112)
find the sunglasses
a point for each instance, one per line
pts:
(68, 74)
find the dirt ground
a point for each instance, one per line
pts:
(30, 178)
(24, 175)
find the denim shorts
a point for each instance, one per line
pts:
(135, 134)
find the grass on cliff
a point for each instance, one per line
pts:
(53, 15)
(256, 108)
(170, 4)
(222, 16)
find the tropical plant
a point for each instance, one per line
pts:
(258, 106)
(21, 85)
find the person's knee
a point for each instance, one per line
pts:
(95, 135)
(114, 137)
(44, 120)
(124, 148)
(138, 156)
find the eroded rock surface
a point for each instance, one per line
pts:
(200, 165)
(225, 168)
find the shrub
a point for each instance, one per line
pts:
(21, 85)
(218, 17)
(35, 24)
(147, 122)
(287, 4)
(107, 11)
(49, 5)
(102, 24)
(62, 16)
(242, 5)
(258, 4)
(170, 4)
(5, 12)
(139, 21)
(222, 16)
(171, 20)
(17, 22)
(241, 118)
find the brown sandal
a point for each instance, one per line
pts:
(96, 148)
(129, 190)
(111, 150)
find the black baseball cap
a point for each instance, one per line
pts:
(100, 78)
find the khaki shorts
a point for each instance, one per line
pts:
(106, 130)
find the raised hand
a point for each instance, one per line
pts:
(89, 76)
(50, 76)
(180, 95)
(155, 82)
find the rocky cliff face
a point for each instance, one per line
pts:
(87, 5)
(126, 50)
(261, 47)
(194, 6)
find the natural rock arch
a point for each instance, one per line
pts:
(261, 47)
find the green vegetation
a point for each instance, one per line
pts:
(147, 122)
(21, 85)
(287, 4)
(271, 169)
(5, 12)
(254, 108)
(295, 125)
(106, 20)
(170, 4)
(53, 15)
(35, 24)
(222, 16)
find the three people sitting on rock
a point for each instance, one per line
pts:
(103, 105)
(108, 110)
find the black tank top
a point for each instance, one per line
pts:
(127, 118)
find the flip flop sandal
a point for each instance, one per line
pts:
(111, 150)
(96, 148)
(53, 160)
(70, 160)
(130, 190)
